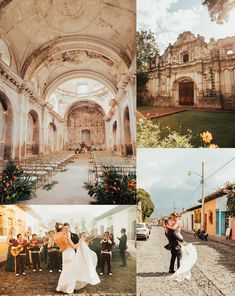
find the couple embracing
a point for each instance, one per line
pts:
(186, 256)
(78, 261)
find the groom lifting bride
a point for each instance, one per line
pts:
(186, 256)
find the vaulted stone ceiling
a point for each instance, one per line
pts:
(57, 40)
(79, 89)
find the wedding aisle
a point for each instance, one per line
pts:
(69, 189)
(211, 274)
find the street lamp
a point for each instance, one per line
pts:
(203, 197)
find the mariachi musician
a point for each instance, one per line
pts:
(54, 255)
(34, 247)
(18, 250)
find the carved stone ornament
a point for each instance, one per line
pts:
(68, 16)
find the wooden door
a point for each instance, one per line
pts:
(205, 222)
(186, 93)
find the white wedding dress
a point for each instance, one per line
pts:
(78, 269)
(189, 257)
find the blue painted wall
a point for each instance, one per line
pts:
(220, 215)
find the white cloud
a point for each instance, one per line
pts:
(151, 12)
(168, 22)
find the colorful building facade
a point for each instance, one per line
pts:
(217, 221)
(22, 219)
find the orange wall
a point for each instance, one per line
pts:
(210, 206)
(233, 228)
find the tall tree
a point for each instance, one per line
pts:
(146, 49)
(146, 203)
(219, 9)
(231, 199)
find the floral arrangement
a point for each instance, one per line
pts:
(14, 185)
(114, 188)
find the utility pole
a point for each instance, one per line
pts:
(203, 197)
(202, 176)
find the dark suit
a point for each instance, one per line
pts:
(175, 249)
(74, 238)
(122, 248)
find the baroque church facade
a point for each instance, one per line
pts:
(67, 76)
(192, 72)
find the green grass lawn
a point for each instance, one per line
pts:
(220, 124)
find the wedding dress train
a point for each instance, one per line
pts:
(189, 257)
(79, 269)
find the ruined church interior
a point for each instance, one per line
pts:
(67, 91)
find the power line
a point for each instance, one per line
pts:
(220, 168)
(177, 190)
(192, 194)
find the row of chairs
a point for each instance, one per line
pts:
(101, 160)
(42, 168)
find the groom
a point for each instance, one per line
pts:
(175, 248)
(73, 236)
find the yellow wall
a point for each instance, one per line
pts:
(197, 218)
(10, 216)
(210, 207)
(3, 251)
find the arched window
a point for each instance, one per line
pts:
(185, 57)
(229, 51)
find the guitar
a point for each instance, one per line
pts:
(30, 246)
(16, 251)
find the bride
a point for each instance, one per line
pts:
(189, 253)
(78, 268)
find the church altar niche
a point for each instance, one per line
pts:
(86, 126)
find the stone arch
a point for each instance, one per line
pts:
(184, 91)
(79, 74)
(52, 137)
(128, 145)
(6, 127)
(114, 133)
(32, 140)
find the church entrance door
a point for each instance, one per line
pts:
(186, 93)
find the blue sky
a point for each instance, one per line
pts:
(164, 174)
(168, 18)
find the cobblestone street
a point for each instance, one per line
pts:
(213, 273)
(122, 282)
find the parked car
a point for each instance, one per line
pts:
(142, 231)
